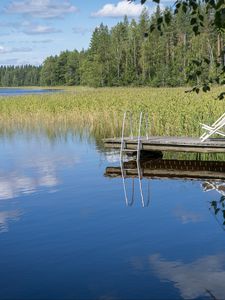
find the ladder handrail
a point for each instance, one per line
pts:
(128, 203)
(139, 137)
(123, 128)
(138, 155)
(147, 125)
(138, 159)
(121, 155)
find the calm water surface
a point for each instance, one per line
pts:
(17, 92)
(66, 232)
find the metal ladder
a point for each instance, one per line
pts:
(123, 150)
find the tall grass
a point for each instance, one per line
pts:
(171, 111)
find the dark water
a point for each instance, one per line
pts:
(17, 92)
(66, 232)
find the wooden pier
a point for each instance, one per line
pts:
(160, 143)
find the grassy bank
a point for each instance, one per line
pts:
(171, 110)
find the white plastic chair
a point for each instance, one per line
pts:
(213, 129)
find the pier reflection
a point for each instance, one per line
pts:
(211, 174)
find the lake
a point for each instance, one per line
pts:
(22, 91)
(66, 231)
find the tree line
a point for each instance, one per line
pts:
(20, 75)
(129, 54)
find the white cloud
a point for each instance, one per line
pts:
(41, 8)
(9, 24)
(5, 50)
(42, 41)
(196, 279)
(162, 1)
(39, 29)
(120, 9)
(81, 30)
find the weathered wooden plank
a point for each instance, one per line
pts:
(179, 144)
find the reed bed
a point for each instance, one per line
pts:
(171, 111)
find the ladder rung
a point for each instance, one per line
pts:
(129, 150)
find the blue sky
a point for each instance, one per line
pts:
(31, 30)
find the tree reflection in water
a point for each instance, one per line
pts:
(217, 207)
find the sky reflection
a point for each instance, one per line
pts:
(29, 176)
(187, 216)
(28, 167)
(202, 277)
(83, 242)
(8, 216)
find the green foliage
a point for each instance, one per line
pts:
(216, 9)
(170, 110)
(207, 16)
(218, 208)
(19, 76)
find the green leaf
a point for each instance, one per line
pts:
(195, 29)
(219, 4)
(221, 96)
(205, 88)
(193, 21)
(197, 62)
(201, 18)
(193, 4)
(159, 20)
(184, 8)
(206, 60)
(152, 27)
(168, 18)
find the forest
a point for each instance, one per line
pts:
(130, 54)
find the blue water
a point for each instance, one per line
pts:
(66, 232)
(21, 91)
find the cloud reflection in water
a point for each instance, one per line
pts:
(187, 216)
(30, 176)
(8, 216)
(203, 277)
